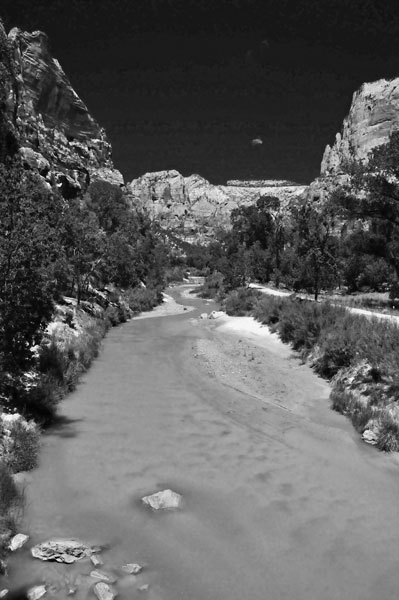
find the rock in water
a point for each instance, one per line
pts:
(65, 551)
(18, 541)
(103, 591)
(163, 500)
(36, 592)
(97, 574)
(96, 560)
(132, 568)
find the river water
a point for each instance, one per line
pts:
(276, 506)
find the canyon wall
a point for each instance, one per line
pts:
(51, 125)
(372, 117)
(193, 208)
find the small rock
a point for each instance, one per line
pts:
(144, 588)
(97, 574)
(163, 500)
(132, 568)
(103, 591)
(215, 314)
(36, 592)
(203, 316)
(3, 593)
(369, 437)
(18, 541)
(96, 560)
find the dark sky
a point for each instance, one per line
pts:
(187, 84)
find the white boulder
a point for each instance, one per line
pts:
(18, 541)
(36, 592)
(103, 591)
(163, 500)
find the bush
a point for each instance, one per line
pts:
(213, 286)
(388, 434)
(241, 302)
(21, 443)
(9, 494)
(141, 299)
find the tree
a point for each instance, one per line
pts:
(29, 250)
(83, 244)
(260, 227)
(372, 196)
(316, 246)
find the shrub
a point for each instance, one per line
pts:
(341, 400)
(9, 494)
(141, 299)
(213, 286)
(267, 309)
(388, 434)
(241, 302)
(21, 444)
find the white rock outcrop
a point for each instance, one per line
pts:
(373, 115)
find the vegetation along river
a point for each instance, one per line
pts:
(281, 500)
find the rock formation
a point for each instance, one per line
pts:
(373, 116)
(193, 208)
(51, 125)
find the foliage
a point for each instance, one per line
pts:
(372, 196)
(241, 301)
(29, 249)
(21, 444)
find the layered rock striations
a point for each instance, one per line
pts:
(52, 126)
(193, 208)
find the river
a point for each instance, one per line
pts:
(279, 503)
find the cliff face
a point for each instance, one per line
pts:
(193, 208)
(373, 115)
(53, 127)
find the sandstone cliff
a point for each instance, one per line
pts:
(193, 208)
(373, 115)
(50, 123)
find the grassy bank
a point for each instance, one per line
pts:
(359, 356)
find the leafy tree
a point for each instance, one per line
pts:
(372, 196)
(83, 244)
(316, 246)
(29, 250)
(108, 204)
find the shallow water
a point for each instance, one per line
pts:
(276, 504)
